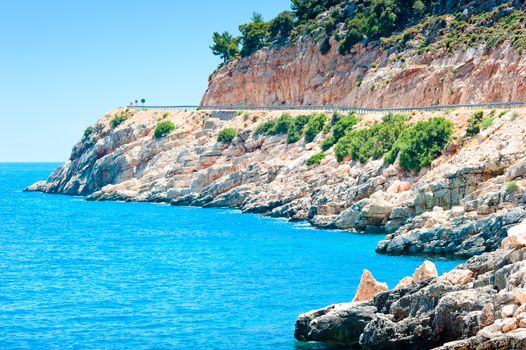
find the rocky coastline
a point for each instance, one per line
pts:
(461, 207)
(479, 305)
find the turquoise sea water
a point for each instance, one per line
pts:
(104, 275)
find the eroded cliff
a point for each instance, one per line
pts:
(369, 77)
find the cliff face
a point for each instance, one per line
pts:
(369, 77)
(458, 207)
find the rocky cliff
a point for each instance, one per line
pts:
(341, 52)
(369, 77)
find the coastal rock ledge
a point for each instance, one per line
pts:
(479, 305)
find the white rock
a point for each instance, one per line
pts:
(517, 235)
(508, 310)
(510, 324)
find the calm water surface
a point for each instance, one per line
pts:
(84, 275)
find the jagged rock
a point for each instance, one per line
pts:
(368, 287)
(405, 282)
(425, 271)
(433, 313)
(486, 317)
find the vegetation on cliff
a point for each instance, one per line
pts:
(316, 159)
(415, 145)
(423, 25)
(89, 130)
(371, 142)
(294, 127)
(118, 119)
(163, 128)
(418, 145)
(226, 135)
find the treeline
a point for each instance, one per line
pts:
(347, 21)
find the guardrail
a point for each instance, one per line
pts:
(359, 110)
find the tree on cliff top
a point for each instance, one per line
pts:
(281, 26)
(225, 46)
(254, 35)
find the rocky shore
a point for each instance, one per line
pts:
(479, 305)
(459, 207)
(462, 206)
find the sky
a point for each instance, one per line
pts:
(64, 64)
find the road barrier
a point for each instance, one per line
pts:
(359, 110)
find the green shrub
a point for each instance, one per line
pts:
(89, 130)
(325, 45)
(163, 128)
(118, 119)
(291, 126)
(486, 122)
(420, 144)
(370, 143)
(352, 38)
(281, 125)
(295, 128)
(343, 125)
(315, 159)
(328, 143)
(512, 186)
(474, 123)
(226, 135)
(314, 126)
(264, 127)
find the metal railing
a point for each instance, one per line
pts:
(330, 108)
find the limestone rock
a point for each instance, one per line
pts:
(508, 310)
(517, 236)
(405, 282)
(458, 276)
(425, 271)
(368, 287)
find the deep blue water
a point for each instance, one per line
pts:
(90, 275)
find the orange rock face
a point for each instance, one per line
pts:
(369, 77)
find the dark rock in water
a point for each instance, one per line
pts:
(342, 323)
(435, 312)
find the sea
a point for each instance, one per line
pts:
(76, 274)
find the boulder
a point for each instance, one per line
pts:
(340, 323)
(516, 236)
(425, 271)
(368, 287)
(508, 310)
(458, 276)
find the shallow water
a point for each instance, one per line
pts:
(106, 275)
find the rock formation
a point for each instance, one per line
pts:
(369, 77)
(479, 305)
(368, 287)
(460, 206)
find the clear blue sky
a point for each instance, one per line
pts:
(65, 63)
